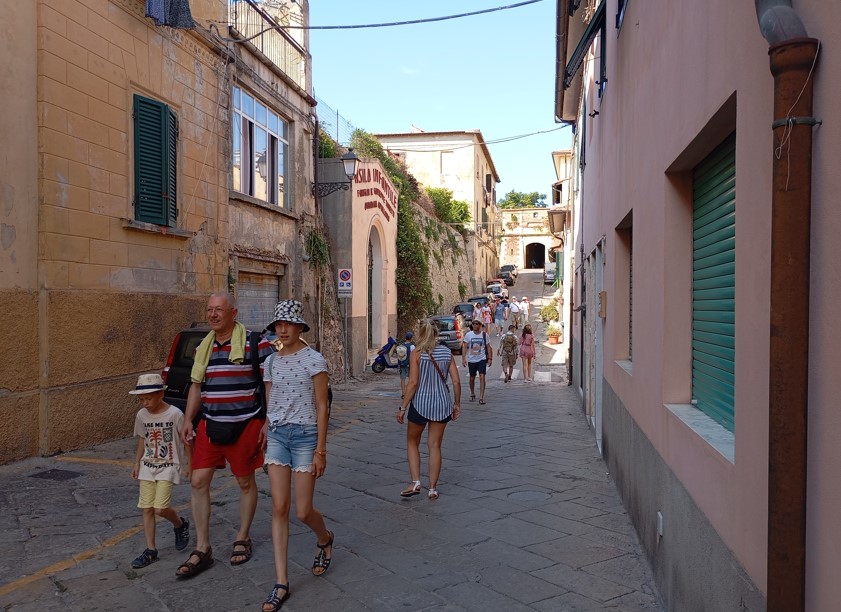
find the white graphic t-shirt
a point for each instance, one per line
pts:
(292, 398)
(476, 346)
(164, 453)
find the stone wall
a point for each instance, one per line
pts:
(449, 267)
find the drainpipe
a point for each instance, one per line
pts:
(793, 57)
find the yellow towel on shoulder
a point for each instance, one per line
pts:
(205, 350)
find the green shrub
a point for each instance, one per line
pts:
(549, 312)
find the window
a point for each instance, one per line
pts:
(155, 162)
(261, 150)
(620, 13)
(714, 284)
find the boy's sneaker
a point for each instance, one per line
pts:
(147, 557)
(182, 534)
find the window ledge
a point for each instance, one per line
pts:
(142, 226)
(716, 436)
(247, 199)
(627, 365)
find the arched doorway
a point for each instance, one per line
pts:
(376, 298)
(535, 255)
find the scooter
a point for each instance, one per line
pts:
(384, 357)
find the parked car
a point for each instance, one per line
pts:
(482, 299)
(450, 331)
(179, 365)
(512, 268)
(491, 281)
(507, 277)
(498, 289)
(465, 309)
(548, 276)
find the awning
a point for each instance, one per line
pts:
(595, 26)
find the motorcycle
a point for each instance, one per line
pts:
(384, 357)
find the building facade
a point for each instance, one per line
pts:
(462, 163)
(362, 223)
(704, 339)
(154, 163)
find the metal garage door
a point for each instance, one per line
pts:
(257, 295)
(714, 284)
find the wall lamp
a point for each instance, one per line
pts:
(350, 162)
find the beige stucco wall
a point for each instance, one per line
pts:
(671, 69)
(77, 270)
(19, 163)
(366, 212)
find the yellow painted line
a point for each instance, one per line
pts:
(97, 461)
(87, 554)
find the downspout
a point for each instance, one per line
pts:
(793, 57)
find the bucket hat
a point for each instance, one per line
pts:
(291, 311)
(148, 383)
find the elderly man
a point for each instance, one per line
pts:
(226, 392)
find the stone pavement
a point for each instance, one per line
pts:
(528, 519)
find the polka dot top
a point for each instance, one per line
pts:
(292, 398)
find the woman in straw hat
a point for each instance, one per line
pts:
(296, 433)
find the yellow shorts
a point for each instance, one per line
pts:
(155, 494)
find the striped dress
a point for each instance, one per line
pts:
(432, 399)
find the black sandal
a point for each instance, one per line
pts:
(321, 559)
(245, 554)
(273, 600)
(193, 569)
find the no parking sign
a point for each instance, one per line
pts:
(345, 283)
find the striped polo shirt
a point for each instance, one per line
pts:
(229, 391)
(432, 398)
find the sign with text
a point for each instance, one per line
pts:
(345, 283)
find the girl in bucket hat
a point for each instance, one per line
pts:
(160, 461)
(296, 435)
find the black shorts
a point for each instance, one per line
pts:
(417, 419)
(480, 367)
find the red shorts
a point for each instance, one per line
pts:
(245, 455)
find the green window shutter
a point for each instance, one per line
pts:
(155, 162)
(714, 284)
(172, 170)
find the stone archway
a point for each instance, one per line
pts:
(535, 255)
(376, 289)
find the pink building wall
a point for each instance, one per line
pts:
(674, 71)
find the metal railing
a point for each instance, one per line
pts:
(249, 21)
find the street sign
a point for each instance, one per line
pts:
(345, 283)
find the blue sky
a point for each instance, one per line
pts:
(493, 72)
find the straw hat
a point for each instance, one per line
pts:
(148, 383)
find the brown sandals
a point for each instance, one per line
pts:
(194, 569)
(238, 557)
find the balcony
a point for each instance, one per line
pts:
(249, 19)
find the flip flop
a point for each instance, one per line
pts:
(481, 401)
(472, 398)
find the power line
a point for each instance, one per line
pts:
(412, 22)
(434, 147)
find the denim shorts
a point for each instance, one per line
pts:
(292, 445)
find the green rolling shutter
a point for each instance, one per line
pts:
(714, 284)
(155, 162)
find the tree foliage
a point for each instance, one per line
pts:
(453, 212)
(518, 199)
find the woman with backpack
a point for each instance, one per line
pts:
(527, 352)
(428, 402)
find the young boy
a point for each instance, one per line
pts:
(508, 350)
(160, 462)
